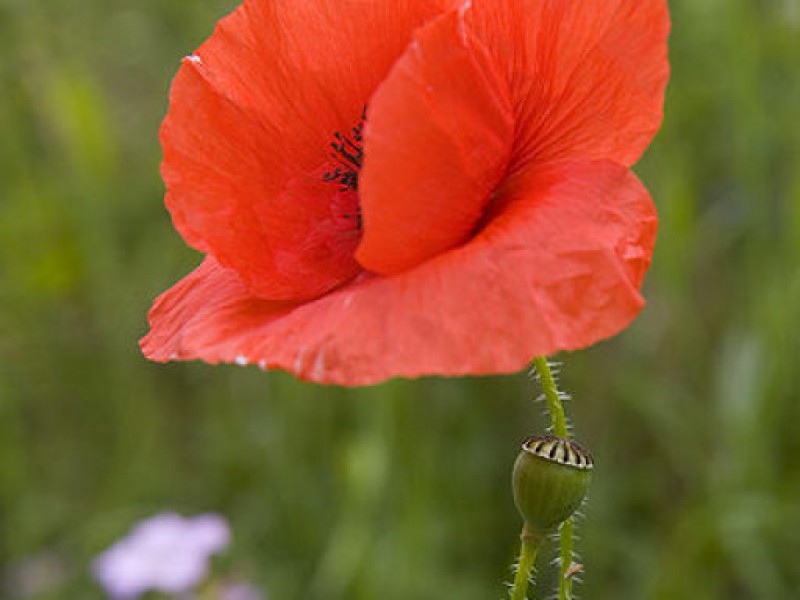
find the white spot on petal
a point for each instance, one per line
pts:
(462, 29)
(241, 360)
(319, 365)
(300, 361)
(195, 59)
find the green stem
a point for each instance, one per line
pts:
(530, 542)
(558, 424)
(557, 419)
(527, 558)
(565, 551)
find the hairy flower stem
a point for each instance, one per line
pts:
(558, 421)
(527, 558)
(558, 424)
(530, 543)
(565, 552)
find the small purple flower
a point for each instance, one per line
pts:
(166, 553)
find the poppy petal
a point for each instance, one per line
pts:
(247, 139)
(587, 77)
(289, 241)
(559, 267)
(437, 142)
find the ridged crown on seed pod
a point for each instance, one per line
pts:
(550, 478)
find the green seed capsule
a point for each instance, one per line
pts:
(550, 478)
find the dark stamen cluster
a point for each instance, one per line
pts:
(348, 154)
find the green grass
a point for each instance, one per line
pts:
(399, 491)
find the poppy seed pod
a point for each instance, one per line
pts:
(550, 478)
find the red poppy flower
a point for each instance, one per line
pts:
(411, 187)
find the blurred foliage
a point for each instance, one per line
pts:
(399, 491)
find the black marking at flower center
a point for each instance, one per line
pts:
(348, 154)
(356, 216)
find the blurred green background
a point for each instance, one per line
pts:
(399, 491)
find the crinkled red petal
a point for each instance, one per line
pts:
(587, 77)
(247, 136)
(559, 267)
(438, 140)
